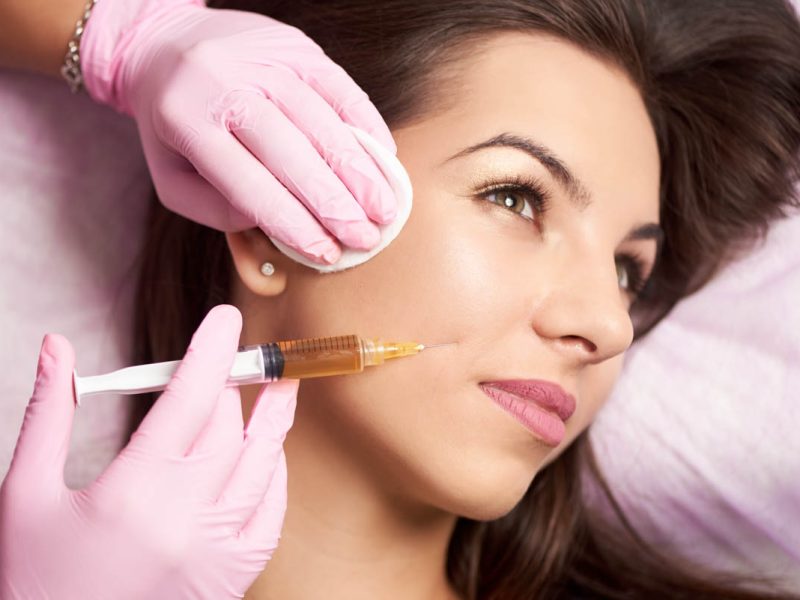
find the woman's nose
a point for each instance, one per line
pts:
(584, 314)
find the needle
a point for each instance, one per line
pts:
(424, 347)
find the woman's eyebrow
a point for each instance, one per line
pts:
(575, 189)
(555, 166)
(648, 231)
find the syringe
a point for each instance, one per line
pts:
(296, 359)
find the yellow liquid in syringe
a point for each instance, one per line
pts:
(341, 355)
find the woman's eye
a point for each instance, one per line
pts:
(622, 276)
(514, 201)
(630, 274)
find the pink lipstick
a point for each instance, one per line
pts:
(541, 406)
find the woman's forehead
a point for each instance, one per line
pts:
(547, 91)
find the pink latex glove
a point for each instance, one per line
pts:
(191, 508)
(240, 116)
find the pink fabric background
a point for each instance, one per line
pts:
(700, 438)
(74, 189)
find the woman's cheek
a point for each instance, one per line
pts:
(491, 271)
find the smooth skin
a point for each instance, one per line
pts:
(381, 464)
(35, 33)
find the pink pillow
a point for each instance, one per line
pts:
(701, 437)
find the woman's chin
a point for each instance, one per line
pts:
(489, 508)
(484, 498)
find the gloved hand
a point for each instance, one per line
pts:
(242, 120)
(191, 508)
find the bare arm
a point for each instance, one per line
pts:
(34, 33)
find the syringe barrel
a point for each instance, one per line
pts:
(313, 357)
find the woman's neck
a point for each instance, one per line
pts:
(344, 536)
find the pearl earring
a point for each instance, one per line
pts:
(267, 269)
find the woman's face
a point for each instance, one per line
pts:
(524, 296)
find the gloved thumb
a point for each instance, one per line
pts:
(43, 441)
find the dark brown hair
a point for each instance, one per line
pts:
(721, 82)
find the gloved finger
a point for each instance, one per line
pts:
(262, 530)
(181, 189)
(349, 101)
(219, 444)
(255, 193)
(272, 417)
(335, 142)
(43, 441)
(258, 123)
(182, 411)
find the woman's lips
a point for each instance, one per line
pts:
(541, 406)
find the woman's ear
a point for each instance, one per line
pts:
(252, 252)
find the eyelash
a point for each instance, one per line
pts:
(527, 187)
(530, 188)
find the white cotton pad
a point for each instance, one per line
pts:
(400, 183)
